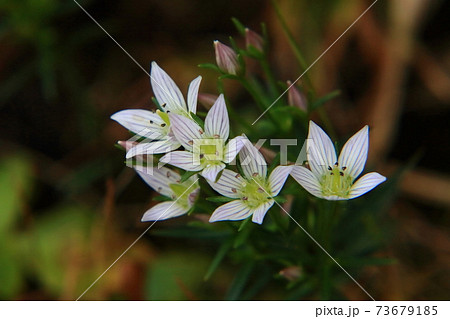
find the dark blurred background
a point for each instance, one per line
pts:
(69, 205)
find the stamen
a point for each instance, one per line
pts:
(255, 174)
(168, 174)
(341, 173)
(331, 173)
(164, 105)
(151, 122)
(344, 168)
(336, 164)
(237, 175)
(200, 131)
(191, 142)
(163, 124)
(260, 190)
(329, 168)
(202, 155)
(244, 198)
(234, 190)
(216, 135)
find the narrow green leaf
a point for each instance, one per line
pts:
(219, 199)
(321, 101)
(221, 253)
(210, 66)
(186, 176)
(239, 26)
(239, 282)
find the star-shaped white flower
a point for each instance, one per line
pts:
(167, 182)
(206, 151)
(155, 126)
(334, 178)
(253, 192)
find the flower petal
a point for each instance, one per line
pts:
(354, 153)
(365, 184)
(193, 94)
(252, 162)
(185, 130)
(233, 147)
(141, 122)
(320, 150)
(157, 147)
(217, 123)
(166, 91)
(235, 210)
(210, 172)
(164, 210)
(307, 180)
(181, 159)
(228, 184)
(278, 177)
(158, 178)
(260, 212)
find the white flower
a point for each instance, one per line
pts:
(253, 192)
(206, 151)
(155, 126)
(167, 183)
(331, 178)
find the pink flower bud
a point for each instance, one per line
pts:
(207, 100)
(296, 98)
(291, 273)
(253, 39)
(226, 58)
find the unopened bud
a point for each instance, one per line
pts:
(207, 100)
(296, 98)
(291, 273)
(127, 144)
(226, 58)
(253, 39)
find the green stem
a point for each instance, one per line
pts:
(257, 97)
(298, 54)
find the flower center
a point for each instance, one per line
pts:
(208, 151)
(336, 182)
(254, 192)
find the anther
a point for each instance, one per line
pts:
(331, 173)
(168, 174)
(191, 142)
(260, 190)
(159, 189)
(200, 131)
(255, 174)
(164, 105)
(202, 155)
(244, 198)
(336, 164)
(341, 173)
(151, 122)
(234, 190)
(216, 135)
(344, 168)
(237, 175)
(329, 168)
(163, 124)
